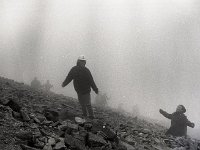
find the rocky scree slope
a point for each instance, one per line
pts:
(35, 120)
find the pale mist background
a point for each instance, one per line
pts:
(144, 52)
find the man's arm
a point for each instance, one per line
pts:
(165, 114)
(68, 79)
(93, 85)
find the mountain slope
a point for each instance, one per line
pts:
(33, 119)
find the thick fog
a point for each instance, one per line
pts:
(140, 52)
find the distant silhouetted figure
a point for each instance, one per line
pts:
(83, 82)
(179, 122)
(35, 83)
(47, 86)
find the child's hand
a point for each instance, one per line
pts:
(63, 84)
(192, 125)
(160, 110)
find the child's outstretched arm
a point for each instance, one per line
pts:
(165, 114)
(190, 124)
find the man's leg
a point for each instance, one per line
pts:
(89, 106)
(85, 101)
(81, 100)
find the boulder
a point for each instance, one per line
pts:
(74, 143)
(68, 125)
(88, 126)
(51, 115)
(43, 139)
(24, 115)
(25, 147)
(65, 114)
(39, 144)
(16, 115)
(47, 147)
(36, 120)
(51, 141)
(82, 136)
(60, 145)
(14, 105)
(125, 146)
(4, 101)
(130, 139)
(79, 120)
(110, 133)
(96, 141)
(97, 125)
(25, 135)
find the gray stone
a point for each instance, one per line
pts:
(125, 146)
(16, 114)
(51, 141)
(67, 125)
(25, 147)
(47, 147)
(25, 135)
(60, 145)
(74, 143)
(65, 114)
(39, 144)
(51, 115)
(24, 116)
(96, 140)
(14, 105)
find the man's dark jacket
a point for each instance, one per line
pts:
(179, 123)
(82, 80)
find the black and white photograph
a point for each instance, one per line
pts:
(99, 74)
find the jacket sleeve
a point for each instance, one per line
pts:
(190, 124)
(92, 83)
(165, 114)
(68, 79)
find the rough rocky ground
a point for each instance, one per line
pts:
(35, 120)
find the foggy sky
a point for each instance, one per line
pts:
(139, 52)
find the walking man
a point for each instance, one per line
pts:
(83, 82)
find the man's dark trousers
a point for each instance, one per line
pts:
(85, 102)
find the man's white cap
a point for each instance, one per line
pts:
(81, 57)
